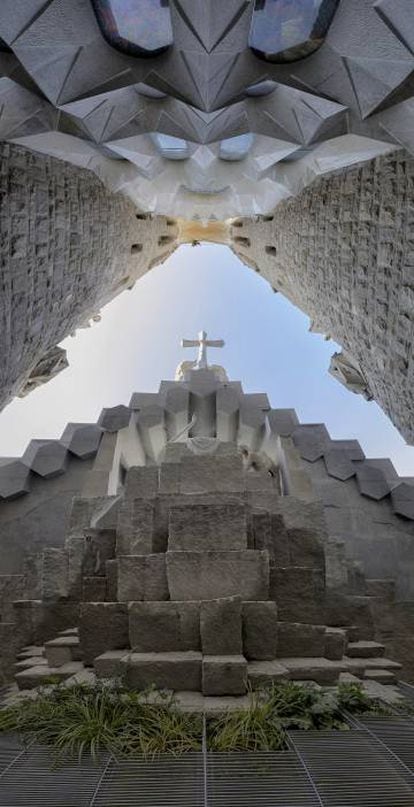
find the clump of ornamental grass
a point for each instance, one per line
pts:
(254, 729)
(87, 719)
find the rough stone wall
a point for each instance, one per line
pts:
(343, 252)
(67, 247)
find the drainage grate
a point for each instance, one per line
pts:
(258, 780)
(161, 782)
(368, 766)
(397, 736)
(350, 770)
(30, 779)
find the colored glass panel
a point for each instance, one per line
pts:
(136, 27)
(288, 30)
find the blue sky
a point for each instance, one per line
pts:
(268, 347)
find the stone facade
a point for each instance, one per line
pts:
(188, 565)
(343, 252)
(67, 247)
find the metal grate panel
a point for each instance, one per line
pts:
(349, 770)
(162, 782)
(397, 735)
(258, 780)
(30, 779)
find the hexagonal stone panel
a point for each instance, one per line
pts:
(311, 440)
(46, 457)
(82, 439)
(114, 418)
(283, 421)
(338, 464)
(372, 482)
(402, 498)
(14, 478)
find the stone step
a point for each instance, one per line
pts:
(224, 675)
(70, 632)
(112, 663)
(348, 678)
(380, 676)
(365, 649)
(260, 673)
(377, 691)
(41, 675)
(31, 650)
(176, 671)
(63, 650)
(321, 670)
(299, 640)
(358, 666)
(32, 661)
(335, 643)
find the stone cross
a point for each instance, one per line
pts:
(202, 343)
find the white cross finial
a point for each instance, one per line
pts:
(202, 343)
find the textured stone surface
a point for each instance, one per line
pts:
(221, 627)
(320, 670)
(207, 527)
(259, 630)
(164, 626)
(135, 527)
(354, 281)
(51, 286)
(142, 577)
(99, 548)
(209, 575)
(94, 589)
(103, 626)
(301, 640)
(108, 665)
(298, 592)
(176, 671)
(335, 643)
(224, 675)
(55, 582)
(62, 650)
(261, 673)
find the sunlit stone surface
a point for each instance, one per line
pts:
(136, 27)
(287, 30)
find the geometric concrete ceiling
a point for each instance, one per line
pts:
(177, 106)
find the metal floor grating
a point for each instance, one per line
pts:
(258, 779)
(350, 770)
(369, 766)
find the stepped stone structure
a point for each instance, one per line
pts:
(343, 252)
(67, 247)
(211, 543)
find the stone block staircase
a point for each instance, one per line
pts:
(211, 594)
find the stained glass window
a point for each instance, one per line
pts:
(288, 30)
(136, 27)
